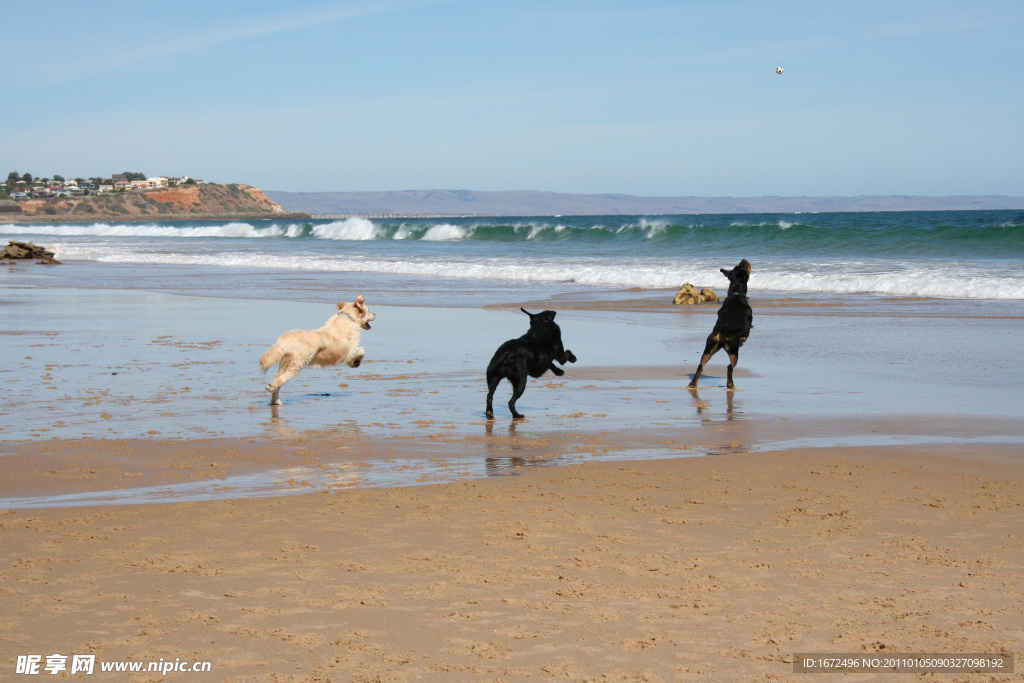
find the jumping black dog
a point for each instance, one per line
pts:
(530, 355)
(735, 318)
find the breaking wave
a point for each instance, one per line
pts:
(973, 255)
(804, 236)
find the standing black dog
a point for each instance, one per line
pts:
(529, 355)
(735, 318)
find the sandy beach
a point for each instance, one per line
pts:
(717, 568)
(855, 495)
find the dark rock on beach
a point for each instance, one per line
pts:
(27, 250)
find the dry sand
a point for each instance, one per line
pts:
(716, 568)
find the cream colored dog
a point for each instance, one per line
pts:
(334, 343)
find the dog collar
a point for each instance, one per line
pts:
(349, 317)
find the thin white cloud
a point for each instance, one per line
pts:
(244, 29)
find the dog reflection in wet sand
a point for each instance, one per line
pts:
(735, 318)
(335, 343)
(531, 355)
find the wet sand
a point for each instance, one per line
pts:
(376, 527)
(717, 568)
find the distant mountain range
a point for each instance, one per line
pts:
(535, 203)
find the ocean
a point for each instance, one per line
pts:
(869, 329)
(961, 255)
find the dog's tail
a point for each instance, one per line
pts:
(272, 356)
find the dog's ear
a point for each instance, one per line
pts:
(526, 312)
(727, 273)
(361, 304)
(341, 305)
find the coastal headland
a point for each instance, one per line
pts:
(207, 201)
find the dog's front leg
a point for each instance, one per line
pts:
(357, 361)
(557, 370)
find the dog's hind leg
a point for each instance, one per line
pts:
(734, 358)
(492, 384)
(711, 348)
(518, 387)
(286, 369)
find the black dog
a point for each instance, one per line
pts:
(530, 355)
(734, 322)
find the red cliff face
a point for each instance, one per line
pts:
(182, 199)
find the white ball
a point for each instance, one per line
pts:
(778, 69)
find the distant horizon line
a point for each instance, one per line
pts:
(658, 196)
(547, 203)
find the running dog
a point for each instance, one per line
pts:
(735, 318)
(335, 343)
(530, 355)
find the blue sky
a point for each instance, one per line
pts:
(642, 97)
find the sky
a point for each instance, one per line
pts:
(641, 97)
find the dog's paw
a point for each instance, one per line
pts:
(269, 387)
(570, 356)
(558, 371)
(278, 402)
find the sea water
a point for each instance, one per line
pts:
(900, 327)
(967, 255)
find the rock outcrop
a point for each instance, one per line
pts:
(688, 295)
(27, 250)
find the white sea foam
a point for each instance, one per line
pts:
(294, 231)
(923, 280)
(149, 230)
(354, 228)
(444, 232)
(534, 230)
(652, 228)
